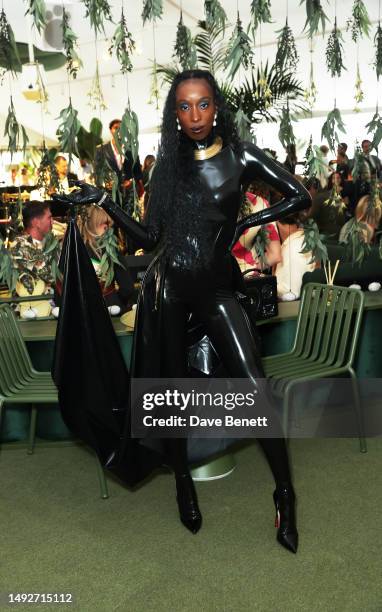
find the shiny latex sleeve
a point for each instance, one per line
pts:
(146, 237)
(258, 165)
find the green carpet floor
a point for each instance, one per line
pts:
(131, 554)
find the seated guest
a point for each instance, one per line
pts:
(329, 212)
(116, 282)
(369, 215)
(294, 264)
(65, 178)
(244, 250)
(325, 171)
(35, 262)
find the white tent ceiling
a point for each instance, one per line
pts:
(114, 84)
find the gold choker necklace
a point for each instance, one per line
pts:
(211, 151)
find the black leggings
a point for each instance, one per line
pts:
(230, 332)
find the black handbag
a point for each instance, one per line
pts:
(260, 297)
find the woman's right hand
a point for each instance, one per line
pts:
(85, 194)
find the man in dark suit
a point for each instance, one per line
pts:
(372, 162)
(123, 167)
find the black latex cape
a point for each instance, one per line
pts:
(89, 370)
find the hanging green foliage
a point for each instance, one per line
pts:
(47, 173)
(152, 10)
(123, 44)
(37, 9)
(331, 127)
(14, 131)
(356, 246)
(314, 16)
(374, 127)
(99, 12)
(95, 93)
(67, 131)
(210, 46)
(286, 135)
(334, 52)
(88, 141)
(313, 242)
(73, 62)
(107, 247)
(358, 165)
(239, 51)
(8, 273)
(260, 13)
(243, 125)
(216, 16)
(359, 22)
(9, 56)
(310, 93)
(335, 199)
(286, 55)
(314, 164)
(260, 244)
(358, 94)
(378, 50)
(127, 134)
(185, 49)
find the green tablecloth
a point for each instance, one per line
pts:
(277, 337)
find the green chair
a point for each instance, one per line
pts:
(20, 383)
(327, 331)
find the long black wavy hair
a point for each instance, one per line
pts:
(177, 194)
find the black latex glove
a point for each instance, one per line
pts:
(87, 194)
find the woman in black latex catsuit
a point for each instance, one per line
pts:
(201, 174)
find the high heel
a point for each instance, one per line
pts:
(189, 512)
(287, 535)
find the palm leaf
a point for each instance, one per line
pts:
(210, 47)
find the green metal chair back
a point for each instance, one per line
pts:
(15, 364)
(328, 325)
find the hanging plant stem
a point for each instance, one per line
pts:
(359, 95)
(239, 51)
(313, 242)
(378, 50)
(127, 134)
(185, 50)
(216, 16)
(98, 12)
(123, 44)
(314, 15)
(73, 62)
(359, 22)
(375, 128)
(67, 131)
(331, 127)
(260, 13)
(314, 164)
(37, 9)
(95, 94)
(286, 134)
(14, 131)
(47, 173)
(310, 94)
(334, 52)
(286, 55)
(152, 10)
(9, 55)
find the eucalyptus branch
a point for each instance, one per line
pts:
(313, 242)
(239, 50)
(127, 134)
(95, 94)
(378, 50)
(260, 244)
(314, 15)
(334, 52)
(216, 16)
(359, 22)
(331, 127)
(314, 164)
(357, 247)
(9, 55)
(69, 38)
(152, 10)
(260, 13)
(98, 12)
(185, 50)
(47, 173)
(37, 9)
(123, 44)
(286, 135)
(286, 55)
(243, 125)
(107, 245)
(67, 131)
(375, 128)
(14, 131)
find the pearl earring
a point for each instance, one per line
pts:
(177, 121)
(214, 123)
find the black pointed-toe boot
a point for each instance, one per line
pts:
(189, 512)
(285, 500)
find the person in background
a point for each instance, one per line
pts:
(148, 167)
(65, 179)
(93, 228)
(368, 215)
(34, 266)
(244, 250)
(294, 264)
(323, 177)
(372, 163)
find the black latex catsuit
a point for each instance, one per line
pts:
(208, 290)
